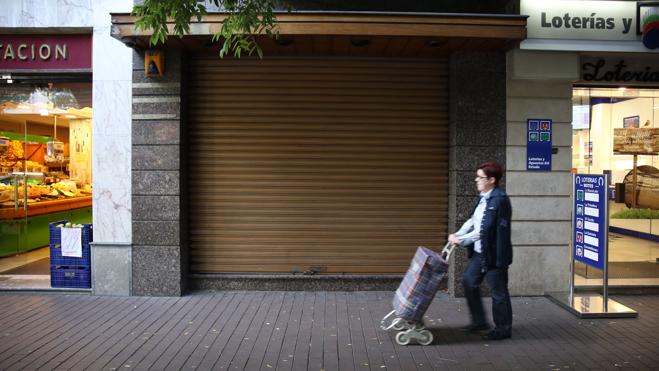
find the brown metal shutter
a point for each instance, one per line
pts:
(335, 165)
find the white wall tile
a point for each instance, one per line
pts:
(525, 183)
(521, 109)
(539, 232)
(112, 214)
(537, 270)
(112, 60)
(112, 108)
(541, 208)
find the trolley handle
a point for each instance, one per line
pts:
(448, 250)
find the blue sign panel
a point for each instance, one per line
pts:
(590, 224)
(538, 144)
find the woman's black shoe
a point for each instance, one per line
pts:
(473, 328)
(497, 335)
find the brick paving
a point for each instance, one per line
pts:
(307, 331)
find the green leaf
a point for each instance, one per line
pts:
(244, 19)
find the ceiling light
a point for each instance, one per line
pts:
(360, 42)
(284, 41)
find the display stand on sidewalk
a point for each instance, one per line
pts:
(590, 245)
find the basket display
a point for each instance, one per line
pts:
(68, 271)
(56, 258)
(70, 277)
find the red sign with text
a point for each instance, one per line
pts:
(45, 52)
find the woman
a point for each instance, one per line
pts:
(487, 235)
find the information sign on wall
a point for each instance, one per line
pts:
(538, 144)
(590, 219)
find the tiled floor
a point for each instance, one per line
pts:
(308, 331)
(28, 282)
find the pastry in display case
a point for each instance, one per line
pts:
(37, 168)
(45, 168)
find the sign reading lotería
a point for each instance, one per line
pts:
(622, 26)
(607, 70)
(590, 224)
(45, 52)
(592, 20)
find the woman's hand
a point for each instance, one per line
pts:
(452, 238)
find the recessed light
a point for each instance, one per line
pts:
(360, 42)
(284, 41)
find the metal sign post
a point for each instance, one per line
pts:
(590, 245)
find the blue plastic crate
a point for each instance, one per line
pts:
(56, 258)
(70, 277)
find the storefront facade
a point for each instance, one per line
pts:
(66, 110)
(326, 163)
(322, 166)
(593, 75)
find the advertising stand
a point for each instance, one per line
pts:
(590, 243)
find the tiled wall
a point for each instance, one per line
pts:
(540, 86)
(477, 117)
(156, 179)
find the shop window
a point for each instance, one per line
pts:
(599, 146)
(45, 169)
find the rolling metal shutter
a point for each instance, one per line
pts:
(332, 165)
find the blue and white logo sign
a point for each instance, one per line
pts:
(538, 144)
(590, 222)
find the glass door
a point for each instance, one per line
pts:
(13, 199)
(616, 132)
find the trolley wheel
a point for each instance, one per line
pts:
(426, 337)
(418, 326)
(398, 324)
(402, 338)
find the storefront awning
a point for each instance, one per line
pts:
(362, 34)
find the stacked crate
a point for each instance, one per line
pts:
(66, 271)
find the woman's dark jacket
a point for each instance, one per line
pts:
(497, 250)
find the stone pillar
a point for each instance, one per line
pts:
(477, 120)
(540, 86)
(158, 268)
(111, 141)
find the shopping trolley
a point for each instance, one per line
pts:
(415, 294)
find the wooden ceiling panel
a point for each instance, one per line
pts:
(344, 34)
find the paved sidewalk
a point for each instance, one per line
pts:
(306, 331)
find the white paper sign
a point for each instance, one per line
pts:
(72, 242)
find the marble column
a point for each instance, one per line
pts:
(111, 124)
